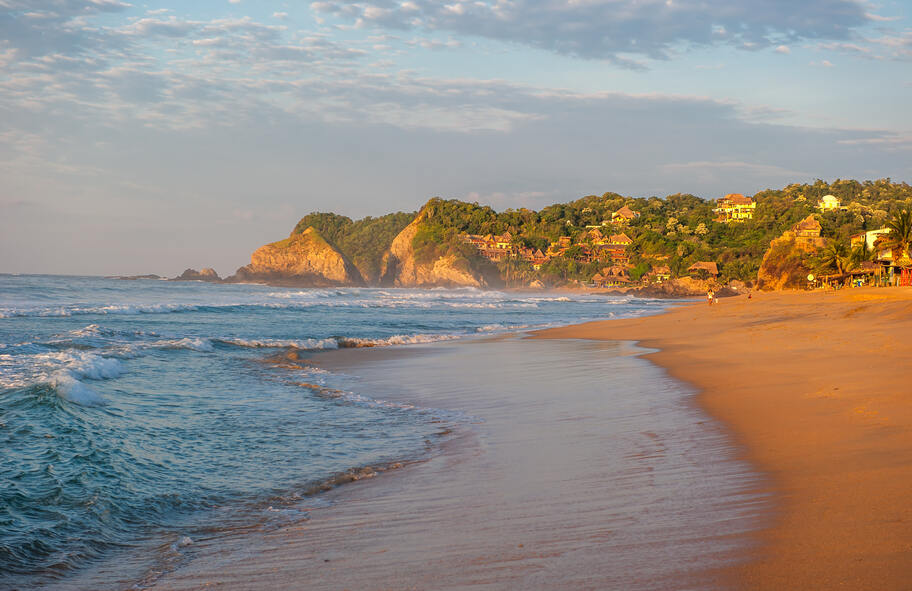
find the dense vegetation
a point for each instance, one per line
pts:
(679, 226)
(363, 241)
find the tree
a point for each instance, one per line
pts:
(862, 253)
(836, 256)
(900, 236)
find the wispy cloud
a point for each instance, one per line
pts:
(612, 30)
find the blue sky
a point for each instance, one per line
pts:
(149, 137)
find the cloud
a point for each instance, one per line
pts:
(881, 19)
(613, 30)
(888, 141)
(784, 49)
(821, 64)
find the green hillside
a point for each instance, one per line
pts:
(678, 229)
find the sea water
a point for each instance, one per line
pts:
(138, 415)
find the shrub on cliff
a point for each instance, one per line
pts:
(363, 241)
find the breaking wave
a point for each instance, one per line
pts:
(337, 342)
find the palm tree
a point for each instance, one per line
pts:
(900, 237)
(836, 255)
(862, 253)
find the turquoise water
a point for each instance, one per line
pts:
(138, 415)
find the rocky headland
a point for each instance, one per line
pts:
(306, 259)
(402, 267)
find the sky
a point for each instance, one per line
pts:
(151, 137)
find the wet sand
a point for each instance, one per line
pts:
(578, 465)
(816, 387)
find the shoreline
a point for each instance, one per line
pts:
(535, 492)
(812, 387)
(643, 292)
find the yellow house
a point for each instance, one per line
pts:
(624, 215)
(504, 241)
(734, 207)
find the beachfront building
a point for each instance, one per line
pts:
(828, 203)
(614, 276)
(704, 268)
(734, 207)
(624, 215)
(658, 274)
(807, 231)
(870, 238)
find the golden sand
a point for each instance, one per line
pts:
(817, 388)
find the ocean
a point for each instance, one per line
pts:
(139, 416)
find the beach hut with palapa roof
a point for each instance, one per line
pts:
(704, 266)
(624, 215)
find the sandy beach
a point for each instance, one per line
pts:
(815, 388)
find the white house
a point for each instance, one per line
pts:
(828, 203)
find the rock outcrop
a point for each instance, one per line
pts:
(400, 268)
(134, 277)
(786, 264)
(207, 274)
(682, 287)
(304, 259)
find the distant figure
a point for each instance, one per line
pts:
(749, 294)
(710, 297)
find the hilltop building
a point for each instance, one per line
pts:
(499, 247)
(624, 215)
(734, 207)
(828, 203)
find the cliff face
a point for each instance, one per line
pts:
(785, 264)
(304, 259)
(401, 269)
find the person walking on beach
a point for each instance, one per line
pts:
(710, 297)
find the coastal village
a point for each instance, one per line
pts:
(608, 243)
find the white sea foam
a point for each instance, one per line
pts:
(306, 299)
(81, 364)
(492, 328)
(64, 370)
(72, 389)
(191, 343)
(337, 342)
(282, 343)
